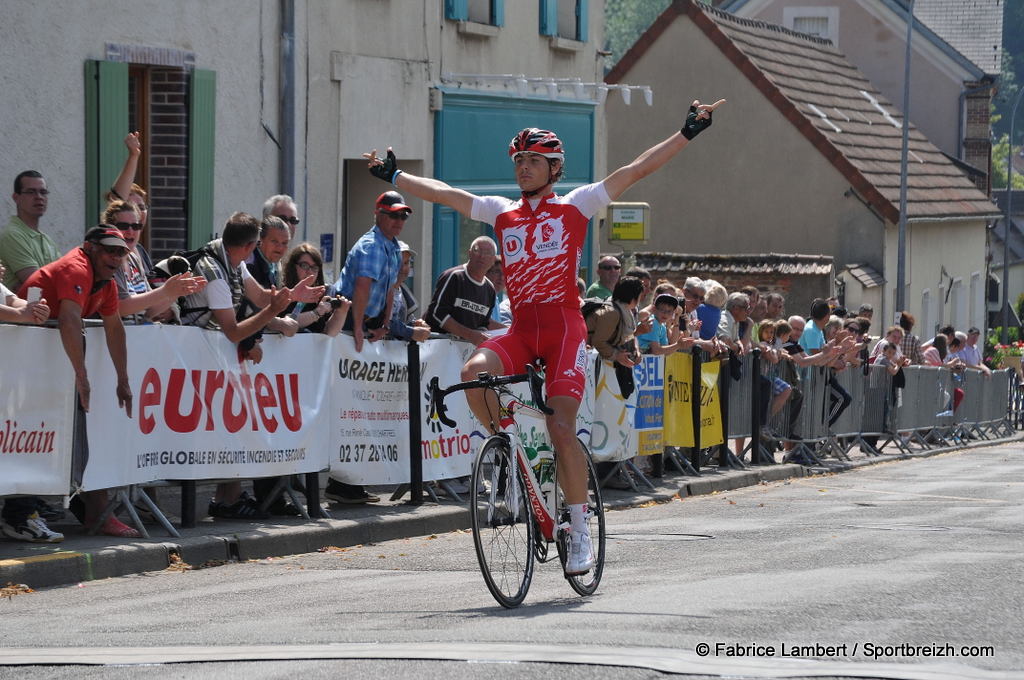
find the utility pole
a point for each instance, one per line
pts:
(901, 239)
(1005, 335)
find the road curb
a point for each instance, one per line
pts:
(391, 522)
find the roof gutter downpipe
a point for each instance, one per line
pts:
(286, 155)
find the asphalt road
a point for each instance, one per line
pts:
(897, 559)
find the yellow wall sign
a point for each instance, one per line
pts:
(678, 405)
(629, 221)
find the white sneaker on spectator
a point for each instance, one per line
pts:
(581, 554)
(33, 529)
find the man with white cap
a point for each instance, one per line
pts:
(405, 324)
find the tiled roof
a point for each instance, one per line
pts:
(770, 263)
(974, 28)
(842, 114)
(868, 276)
(1016, 245)
(1016, 229)
(1018, 201)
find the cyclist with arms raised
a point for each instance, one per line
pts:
(541, 238)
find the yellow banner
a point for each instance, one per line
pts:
(649, 442)
(678, 404)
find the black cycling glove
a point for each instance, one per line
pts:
(389, 170)
(694, 125)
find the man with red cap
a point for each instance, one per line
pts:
(541, 238)
(77, 286)
(370, 271)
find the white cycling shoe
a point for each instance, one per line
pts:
(581, 554)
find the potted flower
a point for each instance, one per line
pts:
(1009, 356)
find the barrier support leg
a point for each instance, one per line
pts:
(137, 492)
(755, 407)
(696, 383)
(415, 412)
(313, 507)
(637, 474)
(188, 503)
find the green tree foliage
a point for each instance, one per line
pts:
(626, 20)
(999, 150)
(1009, 80)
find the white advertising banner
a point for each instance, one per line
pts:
(36, 412)
(369, 425)
(450, 453)
(200, 414)
(612, 437)
(447, 453)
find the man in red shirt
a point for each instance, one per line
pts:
(541, 238)
(77, 286)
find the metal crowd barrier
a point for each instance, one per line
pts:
(919, 415)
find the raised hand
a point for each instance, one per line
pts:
(303, 292)
(134, 143)
(181, 285)
(383, 168)
(280, 298)
(698, 118)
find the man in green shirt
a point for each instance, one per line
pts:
(23, 248)
(608, 272)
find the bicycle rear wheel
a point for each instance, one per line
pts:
(502, 523)
(586, 584)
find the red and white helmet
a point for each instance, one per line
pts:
(534, 140)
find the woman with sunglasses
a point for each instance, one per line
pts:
(139, 300)
(328, 314)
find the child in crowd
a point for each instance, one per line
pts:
(664, 336)
(710, 312)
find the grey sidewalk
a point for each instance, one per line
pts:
(82, 558)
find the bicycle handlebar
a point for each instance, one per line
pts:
(437, 394)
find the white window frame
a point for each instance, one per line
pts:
(791, 14)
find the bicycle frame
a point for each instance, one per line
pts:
(544, 509)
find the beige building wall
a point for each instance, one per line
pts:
(363, 72)
(752, 183)
(371, 70)
(942, 257)
(43, 47)
(873, 38)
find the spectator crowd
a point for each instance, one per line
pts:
(255, 278)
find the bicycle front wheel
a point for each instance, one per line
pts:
(502, 523)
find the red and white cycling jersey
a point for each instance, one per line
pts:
(541, 242)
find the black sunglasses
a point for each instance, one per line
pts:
(290, 220)
(125, 226)
(114, 250)
(610, 266)
(400, 215)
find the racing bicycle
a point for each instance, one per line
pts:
(518, 510)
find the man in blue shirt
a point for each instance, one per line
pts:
(371, 269)
(813, 337)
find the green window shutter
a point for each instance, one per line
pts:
(456, 10)
(498, 12)
(581, 20)
(106, 124)
(202, 110)
(446, 240)
(549, 17)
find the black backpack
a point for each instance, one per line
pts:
(591, 305)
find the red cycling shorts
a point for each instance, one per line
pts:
(553, 333)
